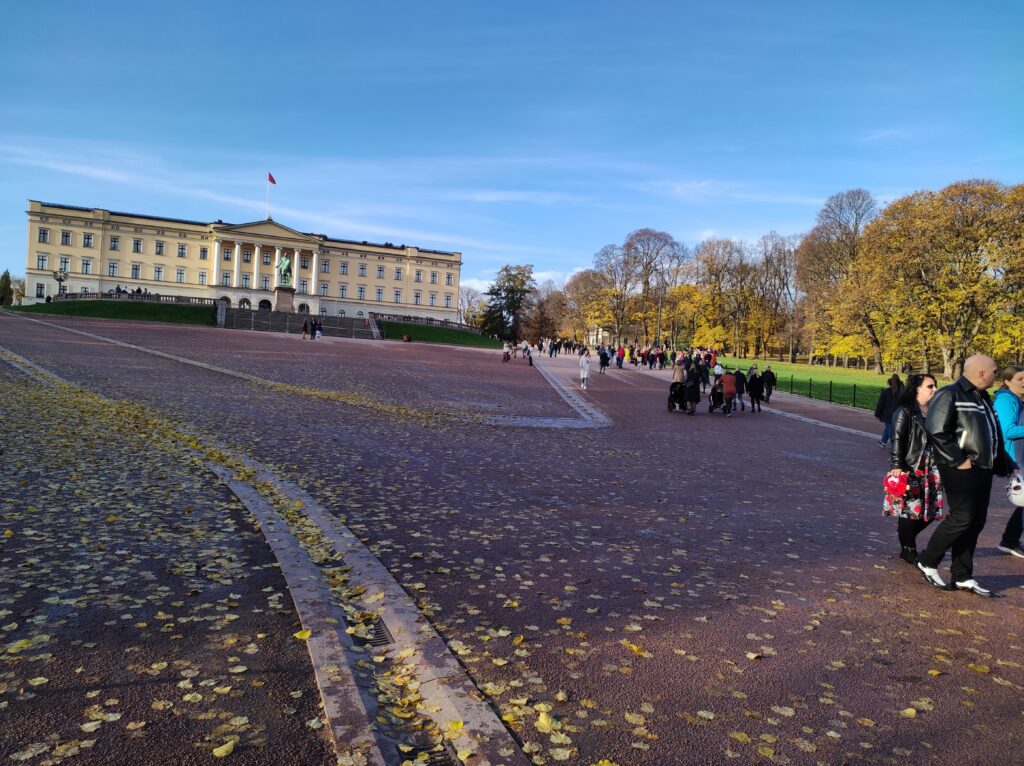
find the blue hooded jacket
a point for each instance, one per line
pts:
(1008, 406)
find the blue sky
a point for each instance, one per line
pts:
(518, 132)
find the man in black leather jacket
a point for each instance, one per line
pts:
(968, 446)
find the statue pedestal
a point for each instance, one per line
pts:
(284, 299)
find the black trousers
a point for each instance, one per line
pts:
(1014, 529)
(908, 530)
(967, 495)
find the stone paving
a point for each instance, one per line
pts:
(666, 590)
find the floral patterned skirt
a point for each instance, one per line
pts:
(923, 499)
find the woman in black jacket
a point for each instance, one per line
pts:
(912, 455)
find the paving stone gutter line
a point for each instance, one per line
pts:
(591, 416)
(347, 687)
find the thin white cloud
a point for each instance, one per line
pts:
(885, 134)
(524, 196)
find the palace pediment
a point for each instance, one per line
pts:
(265, 229)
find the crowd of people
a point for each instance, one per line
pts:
(946, 445)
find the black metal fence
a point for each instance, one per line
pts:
(425, 321)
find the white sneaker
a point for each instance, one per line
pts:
(931, 576)
(1015, 551)
(973, 587)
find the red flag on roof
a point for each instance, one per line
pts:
(270, 177)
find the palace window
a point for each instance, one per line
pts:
(40, 290)
(65, 238)
(380, 294)
(264, 283)
(380, 272)
(419, 276)
(182, 251)
(245, 281)
(225, 279)
(266, 259)
(65, 263)
(158, 273)
(86, 266)
(115, 243)
(448, 279)
(325, 267)
(447, 301)
(227, 253)
(204, 253)
(112, 268)
(179, 276)
(247, 256)
(398, 272)
(303, 286)
(136, 271)
(304, 262)
(87, 240)
(136, 245)
(159, 247)
(40, 261)
(433, 299)
(433, 277)
(344, 268)
(398, 296)
(202, 277)
(324, 287)
(416, 299)
(343, 291)
(362, 269)
(44, 236)
(361, 293)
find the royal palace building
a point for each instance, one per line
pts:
(83, 250)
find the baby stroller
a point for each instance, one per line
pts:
(716, 399)
(676, 397)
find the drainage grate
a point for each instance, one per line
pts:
(434, 757)
(379, 635)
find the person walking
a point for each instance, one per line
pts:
(602, 356)
(886, 406)
(728, 392)
(584, 367)
(692, 387)
(1008, 406)
(912, 456)
(755, 388)
(741, 387)
(770, 381)
(968, 445)
(305, 328)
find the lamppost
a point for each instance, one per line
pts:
(61, 277)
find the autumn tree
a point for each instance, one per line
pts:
(651, 253)
(621, 276)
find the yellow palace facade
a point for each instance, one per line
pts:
(96, 250)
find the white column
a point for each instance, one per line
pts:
(213, 274)
(277, 261)
(315, 281)
(236, 279)
(257, 254)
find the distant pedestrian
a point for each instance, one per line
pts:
(741, 387)
(305, 329)
(969, 450)
(769, 381)
(913, 457)
(584, 368)
(728, 381)
(755, 387)
(1009, 409)
(886, 406)
(602, 355)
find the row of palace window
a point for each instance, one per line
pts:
(160, 247)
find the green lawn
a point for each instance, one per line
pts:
(857, 388)
(421, 333)
(175, 313)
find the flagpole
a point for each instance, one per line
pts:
(268, 197)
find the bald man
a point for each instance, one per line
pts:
(968, 446)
